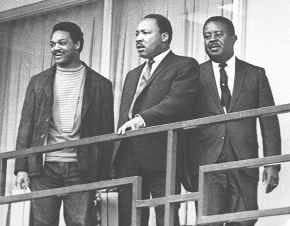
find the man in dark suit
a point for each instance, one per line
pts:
(161, 90)
(229, 85)
(66, 102)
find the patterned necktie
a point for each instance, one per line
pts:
(225, 91)
(145, 76)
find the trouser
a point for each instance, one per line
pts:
(224, 195)
(153, 182)
(76, 206)
(231, 190)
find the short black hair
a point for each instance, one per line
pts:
(163, 24)
(223, 20)
(73, 29)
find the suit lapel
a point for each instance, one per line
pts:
(128, 93)
(211, 84)
(87, 93)
(130, 89)
(238, 83)
(162, 66)
(48, 88)
(133, 83)
(159, 70)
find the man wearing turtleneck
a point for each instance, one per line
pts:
(66, 102)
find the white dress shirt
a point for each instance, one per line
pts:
(230, 70)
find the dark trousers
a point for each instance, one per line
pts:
(230, 191)
(224, 195)
(152, 183)
(76, 206)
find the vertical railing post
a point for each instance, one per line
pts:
(201, 201)
(136, 195)
(3, 167)
(170, 175)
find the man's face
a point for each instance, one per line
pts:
(219, 44)
(148, 38)
(63, 49)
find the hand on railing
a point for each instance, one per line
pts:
(135, 123)
(270, 178)
(22, 180)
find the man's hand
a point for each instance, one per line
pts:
(22, 180)
(135, 123)
(270, 178)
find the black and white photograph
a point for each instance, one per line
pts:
(144, 113)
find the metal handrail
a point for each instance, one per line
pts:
(135, 181)
(170, 197)
(258, 112)
(242, 215)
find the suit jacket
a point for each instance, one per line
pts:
(251, 90)
(96, 119)
(169, 96)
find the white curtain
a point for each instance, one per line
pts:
(24, 50)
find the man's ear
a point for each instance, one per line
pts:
(164, 37)
(235, 38)
(77, 45)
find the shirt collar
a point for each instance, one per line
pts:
(160, 57)
(157, 59)
(230, 63)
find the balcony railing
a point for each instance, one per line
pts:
(170, 196)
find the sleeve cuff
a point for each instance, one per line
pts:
(142, 120)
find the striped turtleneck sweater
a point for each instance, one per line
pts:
(67, 104)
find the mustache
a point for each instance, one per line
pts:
(139, 44)
(214, 44)
(56, 52)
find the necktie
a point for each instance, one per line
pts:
(145, 76)
(225, 91)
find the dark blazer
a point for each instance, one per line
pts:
(96, 119)
(251, 90)
(168, 97)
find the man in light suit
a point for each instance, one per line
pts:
(229, 84)
(159, 91)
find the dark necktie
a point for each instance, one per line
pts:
(225, 91)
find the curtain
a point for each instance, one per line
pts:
(24, 51)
